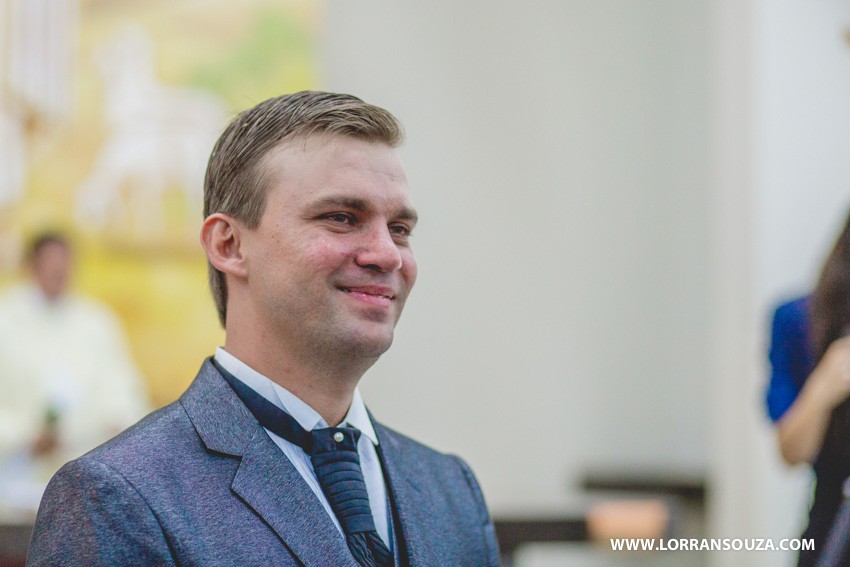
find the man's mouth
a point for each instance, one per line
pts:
(377, 292)
(373, 296)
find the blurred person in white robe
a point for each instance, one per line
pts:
(67, 380)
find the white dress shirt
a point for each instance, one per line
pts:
(310, 419)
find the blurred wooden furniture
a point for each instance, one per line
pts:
(14, 541)
(514, 531)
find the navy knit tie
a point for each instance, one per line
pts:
(333, 452)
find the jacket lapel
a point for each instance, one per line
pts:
(274, 489)
(266, 480)
(413, 510)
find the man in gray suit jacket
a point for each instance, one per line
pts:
(270, 457)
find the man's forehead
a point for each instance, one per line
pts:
(305, 144)
(340, 170)
(300, 152)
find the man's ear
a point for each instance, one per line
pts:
(221, 238)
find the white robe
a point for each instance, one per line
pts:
(69, 357)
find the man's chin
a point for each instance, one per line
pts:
(375, 348)
(370, 344)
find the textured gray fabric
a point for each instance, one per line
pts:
(199, 482)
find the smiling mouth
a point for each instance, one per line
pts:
(370, 291)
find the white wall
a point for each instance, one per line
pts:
(614, 194)
(782, 190)
(559, 154)
(802, 177)
(803, 136)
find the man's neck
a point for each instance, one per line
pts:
(325, 383)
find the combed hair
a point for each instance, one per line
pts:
(234, 182)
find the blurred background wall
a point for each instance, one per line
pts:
(613, 195)
(559, 155)
(781, 194)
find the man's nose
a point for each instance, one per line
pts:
(379, 251)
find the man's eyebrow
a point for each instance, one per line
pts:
(352, 203)
(361, 205)
(408, 214)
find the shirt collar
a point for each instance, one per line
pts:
(306, 416)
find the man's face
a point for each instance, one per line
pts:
(51, 268)
(330, 264)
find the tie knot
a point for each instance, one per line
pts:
(332, 439)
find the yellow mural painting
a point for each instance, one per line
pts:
(146, 89)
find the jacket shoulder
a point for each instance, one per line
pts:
(158, 429)
(446, 486)
(451, 469)
(86, 509)
(159, 447)
(414, 450)
(388, 434)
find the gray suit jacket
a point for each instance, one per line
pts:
(199, 482)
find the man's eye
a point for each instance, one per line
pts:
(343, 218)
(400, 230)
